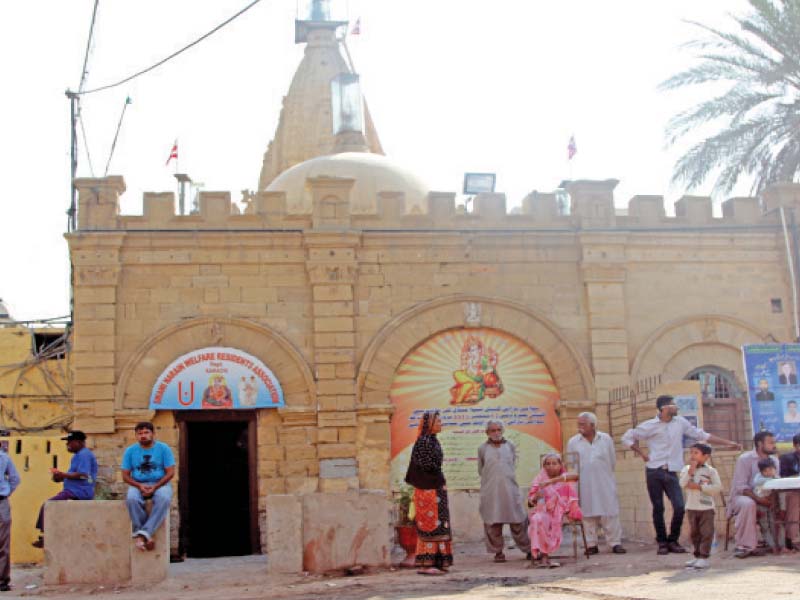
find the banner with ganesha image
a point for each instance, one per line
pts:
(471, 376)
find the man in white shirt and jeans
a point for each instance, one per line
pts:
(664, 436)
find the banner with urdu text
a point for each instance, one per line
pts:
(471, 376)
(772, 385)
(216, 378)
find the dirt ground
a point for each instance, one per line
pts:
(640, 574)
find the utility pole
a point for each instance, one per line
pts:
(72, 211)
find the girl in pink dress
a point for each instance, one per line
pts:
(552, 496)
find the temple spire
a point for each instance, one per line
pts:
(306, 128)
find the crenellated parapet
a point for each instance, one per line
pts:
(327, 203)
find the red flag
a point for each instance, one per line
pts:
(572, 148)
(173, 153)
(356, 30)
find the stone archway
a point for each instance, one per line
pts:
(403, 333)
(155, 353)
(680, 346)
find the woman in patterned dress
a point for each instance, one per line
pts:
(434, 550)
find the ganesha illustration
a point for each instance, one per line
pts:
(477, 378)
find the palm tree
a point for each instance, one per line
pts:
(757, 117)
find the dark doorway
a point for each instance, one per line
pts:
(217, 484)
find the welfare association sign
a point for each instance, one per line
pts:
(216, 378)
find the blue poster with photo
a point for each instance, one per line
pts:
(771, 371)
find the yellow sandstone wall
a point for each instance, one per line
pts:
(332, 302)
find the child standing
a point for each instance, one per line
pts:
(766, 514)
(701, 481)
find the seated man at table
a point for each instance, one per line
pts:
(743, 500)
(790, 467)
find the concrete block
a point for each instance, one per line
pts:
(89, 541)
(341, 530)
(152, 566)
(284, 534)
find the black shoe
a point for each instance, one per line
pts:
(676, 548)
(4, 587)
(529, 556)
(618, 549)
(663, 549)
(592, 550)
(38, 543)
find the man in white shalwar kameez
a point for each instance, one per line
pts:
(598, 486)
(501, 501)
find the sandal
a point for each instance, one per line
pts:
(499, 557)
(431, 571)
(553, 564)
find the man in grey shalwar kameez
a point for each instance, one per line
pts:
(501, 501)
(598, 487)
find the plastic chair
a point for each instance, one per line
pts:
(572, 462)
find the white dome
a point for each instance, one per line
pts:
(373, 173)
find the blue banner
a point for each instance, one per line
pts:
(772, 384)
(216, 378)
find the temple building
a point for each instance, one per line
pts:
(286, 351)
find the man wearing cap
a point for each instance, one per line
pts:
(78, 480)
(664, 435)
(9, 480)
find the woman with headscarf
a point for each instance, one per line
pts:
(434, 551)
(552, 496)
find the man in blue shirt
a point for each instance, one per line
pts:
(147, 467)
(9, 480)
(78, 480)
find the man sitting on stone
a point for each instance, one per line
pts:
(147, 467)
(78, 480)
(743, 500)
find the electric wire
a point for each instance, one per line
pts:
(171, 56)
(84, 71)
(86, 144)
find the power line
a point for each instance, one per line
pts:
(116, 134)
(86, 144)
(84, 71)
(174, 54)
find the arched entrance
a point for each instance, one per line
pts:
(724, 402)
(471, 375)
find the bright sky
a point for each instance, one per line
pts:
(453, 86)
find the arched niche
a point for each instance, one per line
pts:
(154, 354)
(398, 337)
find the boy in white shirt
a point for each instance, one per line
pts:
(701, 481)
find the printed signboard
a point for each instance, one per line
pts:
(216, 378)
(471, 376)
(771, 371)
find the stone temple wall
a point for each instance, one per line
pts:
(333, 301)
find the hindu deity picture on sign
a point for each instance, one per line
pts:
(217, 394)
(477, 378)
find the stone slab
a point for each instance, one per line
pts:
(330, 468)
(345, 529)
(87, 541)
(284, 533)
(152, 566)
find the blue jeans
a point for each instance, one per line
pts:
(660, 482)
(143, 523)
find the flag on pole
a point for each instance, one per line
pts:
(356, 30)
(572, 148)
(173, 153)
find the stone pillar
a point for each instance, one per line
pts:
(603, 270)
(331, 266)
(98, 202)
(593, 202)
(96, 263)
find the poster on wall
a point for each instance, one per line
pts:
(216, 378)
(771, 371)
(471, 376)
